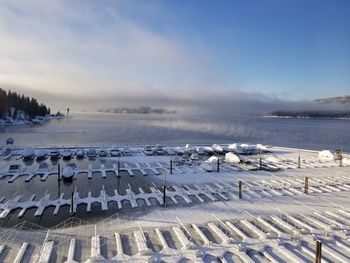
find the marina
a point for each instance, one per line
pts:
(257, 204)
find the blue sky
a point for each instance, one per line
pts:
(181, 50)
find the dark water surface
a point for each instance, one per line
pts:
(108, 128)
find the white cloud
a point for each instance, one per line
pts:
(63, 47)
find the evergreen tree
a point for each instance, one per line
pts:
(19, 102)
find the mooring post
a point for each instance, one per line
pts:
(164, 195)
(306, 187)
(218, 165)
(164, 190)
(171, 165)
(299, 166)
(318, 251)
(72, 203)
(118, 166)
(118, 179)
(240, 189)
(58, 171)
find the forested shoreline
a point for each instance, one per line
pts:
(18, 106)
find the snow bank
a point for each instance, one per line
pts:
(273, 159)
(325, 156)
(231, 158)
(346, 161)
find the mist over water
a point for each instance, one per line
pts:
(107, 129)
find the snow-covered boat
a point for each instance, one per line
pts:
(217, 148)
(208, 166)
(54, 154)
(200, 150)
(179, 150)
(68, 174)
(91, 153)
(114, 152)
(28, 153)
(159, 150)
(231, 158)
(194, 157)
(80, 153)
(208, 150)
(14, 168)
(67, 154)
(169, 150)
(147, 150)
(127, 152)
(102, 152)
(41, 155)
(189, 149)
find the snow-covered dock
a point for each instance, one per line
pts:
(269, 207)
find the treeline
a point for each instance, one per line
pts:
(30, 106)
(312, 114)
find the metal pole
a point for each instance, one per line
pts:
(218, 165)
(72, 203)
(118, 166)
(240, 189)
(118, 178)
(306, 187)
(164, 190)
(318, 251)
(58, 171)
(171, 165)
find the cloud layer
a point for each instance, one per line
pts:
(66, 47)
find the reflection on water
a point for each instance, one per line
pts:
(101, 128)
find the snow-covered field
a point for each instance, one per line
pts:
(285, 207)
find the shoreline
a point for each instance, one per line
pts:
(303, 117)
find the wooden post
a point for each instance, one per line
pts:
(58, 171)
(164, 190)
(118, 167)
(171, 165)
(118, 178)
(318, 251)
(340, 159)
(299, 166)
(72, 204)
(306, 187)
(240, 189)
(218, 165)
(164, 195)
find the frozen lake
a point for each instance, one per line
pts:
(104, 128)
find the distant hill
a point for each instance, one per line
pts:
(311, 114)
(333, 108)
(341, 99)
